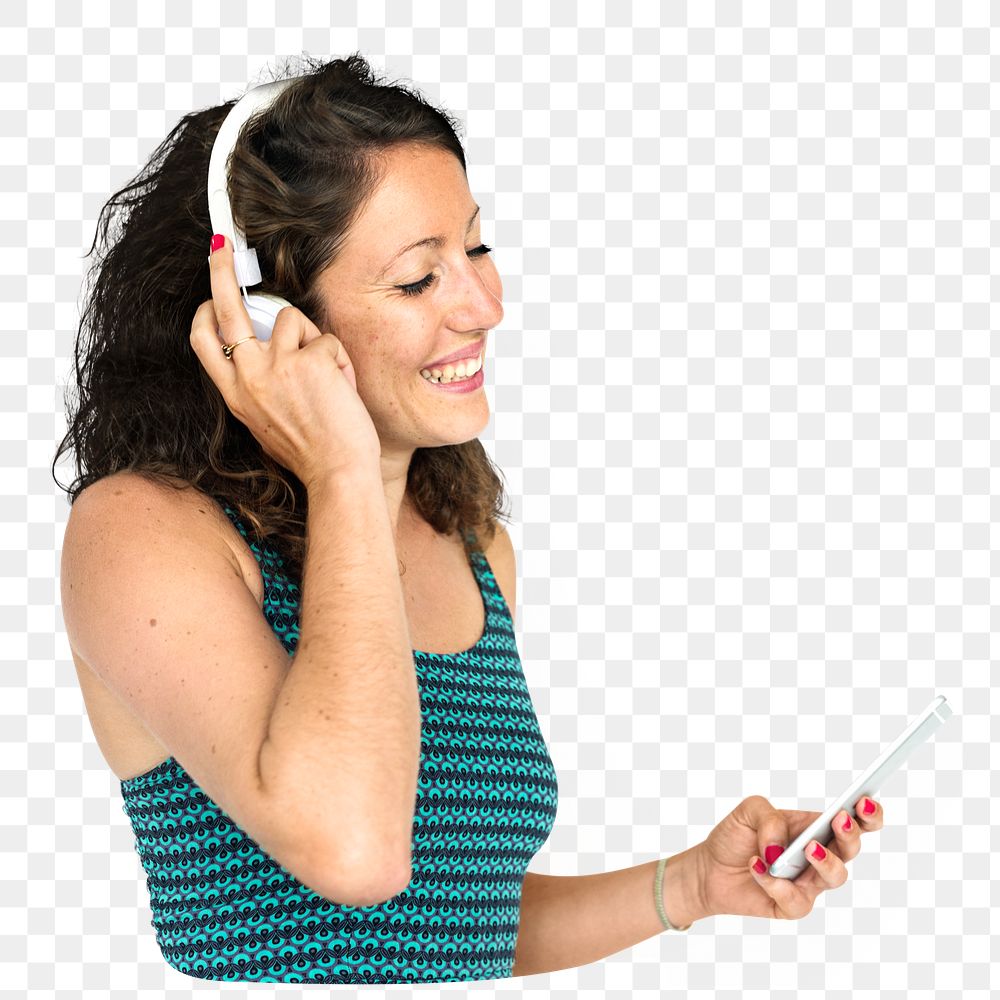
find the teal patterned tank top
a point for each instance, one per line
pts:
(486, 802)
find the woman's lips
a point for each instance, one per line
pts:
(471, 351)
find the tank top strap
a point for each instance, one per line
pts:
(235, 518)
(281, 593)
(498, 613)
(271, 563)
(478, 562)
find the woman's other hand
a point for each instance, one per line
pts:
(755, 833)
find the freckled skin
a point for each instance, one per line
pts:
(389, 335)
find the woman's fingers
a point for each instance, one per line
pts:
(829, 861)
(792, 899)
(848, 834)
(769, 823)
(869, 814)
(829, 865)
(848, 829)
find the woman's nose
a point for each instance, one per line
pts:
(480, 302)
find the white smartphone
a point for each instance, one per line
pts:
(792, 861)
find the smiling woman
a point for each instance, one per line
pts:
(337, 140)
(333, 769)
(421, 219)
(305, 736)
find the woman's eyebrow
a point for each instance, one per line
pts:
(431, 241)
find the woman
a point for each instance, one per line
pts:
(326, 746)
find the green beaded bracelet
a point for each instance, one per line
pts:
(658, 895)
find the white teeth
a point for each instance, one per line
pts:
(453, 373)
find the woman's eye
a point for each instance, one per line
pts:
(418, 286)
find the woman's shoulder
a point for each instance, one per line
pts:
(126, 498)
(135, 492)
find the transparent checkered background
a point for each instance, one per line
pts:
(742, 399)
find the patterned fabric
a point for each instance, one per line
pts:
(486, 803)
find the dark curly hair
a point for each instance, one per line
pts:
(300, 172)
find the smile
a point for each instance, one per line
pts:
(453, 373)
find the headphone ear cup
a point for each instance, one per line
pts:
(263, 310)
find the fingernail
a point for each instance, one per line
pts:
(869, 807)
(847, 824)
(218, 241)
(759, 867)
(819, 853)
(773, 851)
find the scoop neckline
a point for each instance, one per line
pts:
(479, 573)
(473, 557)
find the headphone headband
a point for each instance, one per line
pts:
(219, 209)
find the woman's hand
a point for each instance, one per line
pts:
(755, 830)
(296, 393)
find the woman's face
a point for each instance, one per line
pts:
(454, 299)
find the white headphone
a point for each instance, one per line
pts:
(262, 307)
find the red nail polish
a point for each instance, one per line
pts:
(847, 824)
(819, 853)
(773, 851)
(218, 241)
(869, 807)
(759, 867)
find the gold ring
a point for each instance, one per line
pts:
(228, 349)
